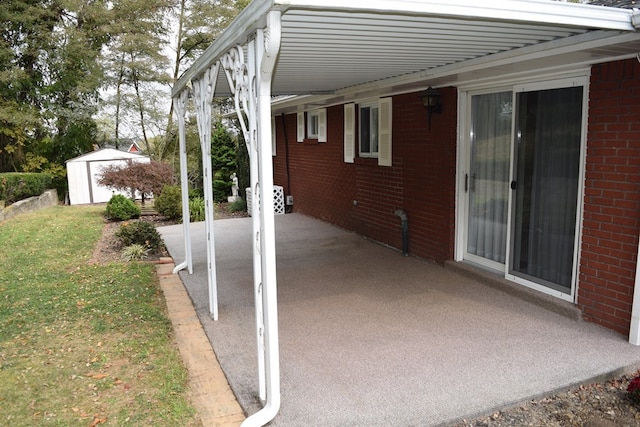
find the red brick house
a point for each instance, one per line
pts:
(536, 178)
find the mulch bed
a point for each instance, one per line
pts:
(109, 249)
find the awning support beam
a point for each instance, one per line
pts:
(203, 90)
(180, 102)
(251, 86)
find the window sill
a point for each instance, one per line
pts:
(370, 161)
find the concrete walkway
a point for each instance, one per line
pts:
(371, 338)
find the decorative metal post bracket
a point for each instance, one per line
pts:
(251, 86)
(203, 89)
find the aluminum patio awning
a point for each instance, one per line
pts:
(340, 48)
(334, 51)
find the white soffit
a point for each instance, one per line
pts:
(330, 48)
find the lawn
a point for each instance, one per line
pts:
(82, 344)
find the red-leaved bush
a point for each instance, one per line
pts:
(131, 176)
(634, 390)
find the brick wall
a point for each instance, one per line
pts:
(363, 196)
(612, 196)
(422, 181)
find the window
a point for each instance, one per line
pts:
(368, 129)
(312, 125)
(374, 131)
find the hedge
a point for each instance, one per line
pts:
(16, 186)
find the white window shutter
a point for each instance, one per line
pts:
(301, 127)
(273, 136)
(384, 133)
(349, 132)
(322, 125)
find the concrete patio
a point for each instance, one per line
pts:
(371, 338)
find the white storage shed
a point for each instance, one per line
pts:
(83, 171)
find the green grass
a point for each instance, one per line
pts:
(82, 344)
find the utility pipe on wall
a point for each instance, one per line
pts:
(405, 230)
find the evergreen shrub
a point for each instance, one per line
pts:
(221, 190)
(140, 233)
(237, 206)
(169, 202)
(122, 208)
(16, 186)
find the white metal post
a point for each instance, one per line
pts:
(180, 103)
(203, 89)
(253, 59)
(267, 45)
(240, 77)
(251, 85)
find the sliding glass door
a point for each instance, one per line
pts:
(487, 181)
(547, 142)
(522, 183)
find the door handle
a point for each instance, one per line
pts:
(469, 185)
(514, 185)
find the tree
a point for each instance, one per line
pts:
(223, 160)
(49, 79)
(133, 176)
(136, 65)
(199, 23)
(24, 36)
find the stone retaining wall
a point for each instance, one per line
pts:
(46, 199)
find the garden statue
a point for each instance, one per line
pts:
(234, 189)
(234, 185)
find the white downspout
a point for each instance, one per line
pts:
(180, 102)
(252, 147)
(634, 330)
(270, 42)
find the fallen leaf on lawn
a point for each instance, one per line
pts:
(96, 375)
(97, 420)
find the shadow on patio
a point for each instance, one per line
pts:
(369, 337)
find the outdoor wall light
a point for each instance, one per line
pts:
(431, 101)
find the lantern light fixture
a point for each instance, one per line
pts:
(431, 101)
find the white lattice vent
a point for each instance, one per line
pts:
(278, 200)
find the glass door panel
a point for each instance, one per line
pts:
(487, 182)
(548, 139)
